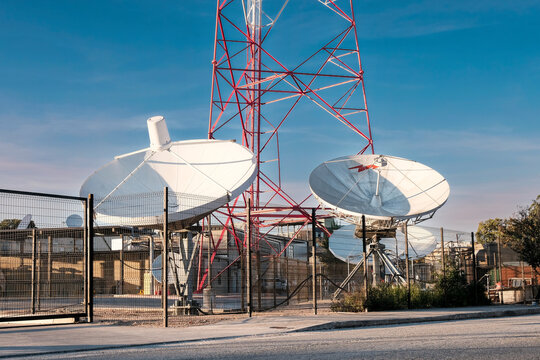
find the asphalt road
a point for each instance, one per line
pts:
(499, 338)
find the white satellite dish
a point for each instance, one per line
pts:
(380, 187)
(345, 246)
(422, 241)
(202, 175)
(25, 222)
(175, 269)
(74, 220)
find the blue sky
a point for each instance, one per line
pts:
(451, 84)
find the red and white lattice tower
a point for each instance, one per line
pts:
(254, 94)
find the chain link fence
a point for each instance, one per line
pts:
(42, 255)
(43, 260)
(129, 244)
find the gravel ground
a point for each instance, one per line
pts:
(154, 319)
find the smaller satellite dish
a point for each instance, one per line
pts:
(157, 266)
(344, 245)
(25, 222)
(381, 187)
(74, 220)
(422, 241)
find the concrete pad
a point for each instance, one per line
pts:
(41, 322)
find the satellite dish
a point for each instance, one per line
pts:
(25, 222)
(74, 220)
(172, 273)
(202, 175)
(380, 187)
(422, 241)
(345, 246)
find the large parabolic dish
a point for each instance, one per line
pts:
(380, 187)
(202, 175)
(422, 241)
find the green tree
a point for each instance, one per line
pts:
(522, 234)
(8, 224)
(488, 231)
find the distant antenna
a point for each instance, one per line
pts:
(25, 222)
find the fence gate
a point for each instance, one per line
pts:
(43, 256)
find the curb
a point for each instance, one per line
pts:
(114, 347)
(452, 317)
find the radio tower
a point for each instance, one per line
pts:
(254, 94)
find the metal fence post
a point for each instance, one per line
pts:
(248, 246)
(243, 280)
(209, 257)
(84, 255)
(406, 233)
(499, 265)
(90, 259)
(474, 270)
(165, 256)
(208, 293)
(38, 275)
(33, 291)
(49, 269)
(151, 262)
(314, 263)
(121, 284)
(364, 251)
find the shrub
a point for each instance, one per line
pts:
(352, 302)
(386, 297)
(451, 290)
(421, 298)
